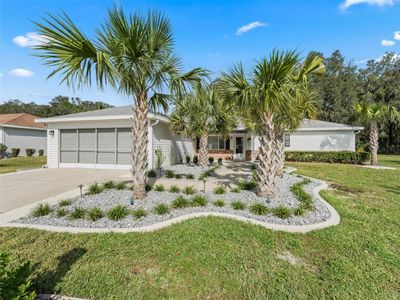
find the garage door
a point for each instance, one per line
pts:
(96, 146)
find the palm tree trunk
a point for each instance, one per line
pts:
(279, 148)
(203, 151)
(266, 170)
(139, 148)
(373, 143)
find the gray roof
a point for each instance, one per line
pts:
(112, 111)
(309, 124)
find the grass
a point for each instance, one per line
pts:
(110, 184)
(117, 213)
(94, 214)
(305, 199)
(169, 174)
(64, 202)
(180, 202)
(259, 209)
(42, 209)
(94, 189)
(120, 185)
(174, 189)
(235, 189)
(61, 212)
(219, 190)
(219, 203)
(139, 213)
(77, 213)
(199, 200)
(159, 188)
(161, 209)
(282, 212)
(189, 190)
(21, 163)
(238, 205)
(220, 258)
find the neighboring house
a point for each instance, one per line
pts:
(102, 139)
(21, 131)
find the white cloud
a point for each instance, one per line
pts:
(396, 35)
(387, 43)
(21, 73)
(30, 39)
(250, 26)
(347, 3)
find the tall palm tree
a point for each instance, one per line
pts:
(372, 114)
(201, 113)
(131, 53)
(264, 95)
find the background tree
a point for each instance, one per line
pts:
(200, 114)
(133, 54)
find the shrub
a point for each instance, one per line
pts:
(139, 213)
(189, 190)
(199, 200)
(94, 189)
(174, 189)
(160, 158)
(169, 174)
(235, 189)
(299, 211)
(95, 213)
(151, 173)
(148, 187)
(41, 152)
(61, 212)
(64, 202)
(346, 157)
(120, 185)
(195, 160)
(42, 209)
(109, 184)
(15, 152)
(117, 213)
(219, 190)
(14, 283)
(211, 160)
(189, 176)
(220, 161)
(178, 176)
(187, 159)
(219, 203)
(282, 212)
(3, 148)
(247, 185)
(259, 209)
(161, 209)
(159, 188)
(77, 213)
(305, 199)
(238, 205)
(29, 152)
(180, 202)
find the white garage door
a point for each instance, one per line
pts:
(96, 146)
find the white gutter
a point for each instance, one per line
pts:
(22, 127)
(330, 128)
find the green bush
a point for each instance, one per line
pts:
(282, 212)
(94, 189)
(178, 176)
(41, 152)
(61, 212)
(346, 157)
(64, 202)
(159, 188)
(109, 184)
(77, 213)
(299, 211)
(148, 187)
(95, 213)
(211, 160)
(219, 190)
(238, 205)
(117, 213)
(3, 148)
(139, 213)
(259, 209)
(195, 160)
(187, 159)
(169, 174)
(219, 203)
(189, 176)
(220, 161)
(174, 189)
(151, 173)
(189, 190)
(235, 189)
(161, 209)
(15, 152)
(199, 200)
(29, 152)
(14, 283)
(120, 185)
(305, 199)
(247, 185)
(42, 209)
(180, 202)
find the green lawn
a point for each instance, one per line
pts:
(221, 258)
(21, 163)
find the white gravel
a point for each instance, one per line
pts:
(110, 198)
(185, 169)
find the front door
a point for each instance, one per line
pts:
(239, 154)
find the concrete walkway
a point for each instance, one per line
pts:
(23, 188)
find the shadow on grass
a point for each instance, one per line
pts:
(48, 281)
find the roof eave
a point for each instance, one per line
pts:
(99, 118)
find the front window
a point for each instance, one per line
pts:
(216, 143)
(287, 140)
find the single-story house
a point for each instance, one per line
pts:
(21, 131)
(102, 139)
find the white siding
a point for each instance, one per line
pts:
(182, 147)
(162, 139)
(335, 140)
(52, 148)
(23, 139)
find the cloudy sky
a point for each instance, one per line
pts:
(208, 34)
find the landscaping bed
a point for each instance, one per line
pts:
(109, 206)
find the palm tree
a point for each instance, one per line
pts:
(200, 113)
(372, 114)
(264, 95)
(133, 54)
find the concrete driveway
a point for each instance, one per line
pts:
(20, 189)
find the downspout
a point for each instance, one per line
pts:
(152, 142)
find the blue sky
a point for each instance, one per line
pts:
(207, 35)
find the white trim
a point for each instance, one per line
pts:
(329, 129)
(22, 127)
(94, 166)
(99, 118)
